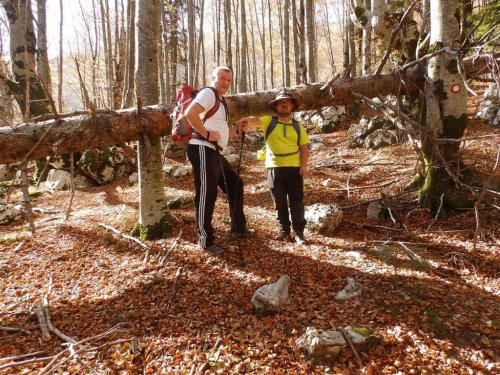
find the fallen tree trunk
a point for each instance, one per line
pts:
(82, 132)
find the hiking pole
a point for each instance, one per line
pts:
(231, 213)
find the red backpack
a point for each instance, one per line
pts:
(181, 128)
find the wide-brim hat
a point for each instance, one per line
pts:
(284, 95)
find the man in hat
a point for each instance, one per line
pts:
(287, 152)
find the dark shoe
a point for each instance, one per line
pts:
(298, 238)
(215, 250)
(283, 236)
(248, 233)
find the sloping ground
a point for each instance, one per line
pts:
(437, 313)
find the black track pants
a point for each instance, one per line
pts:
(207, 178)
(286, 183)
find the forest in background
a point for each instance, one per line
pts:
(99, 36)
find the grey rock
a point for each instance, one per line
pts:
(323, 218)
(268, 299)
(351, 290)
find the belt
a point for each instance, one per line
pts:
(283, 155)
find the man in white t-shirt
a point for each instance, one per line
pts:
(208, 164)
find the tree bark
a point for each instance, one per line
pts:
(155, 220)
(79, 133)
(446, 109)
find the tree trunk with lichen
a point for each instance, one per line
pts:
(446, 116)
(26, 86)
(155, 220)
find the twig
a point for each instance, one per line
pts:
(437, 213)
(52, 329)
(43, 322)
(147, 254)
(392, 38)
(20, 245)
(174, 244)
(48, 369)
(408, 251)
(123, 235)
(478, 202)
(28, 361)
(206, 365)
(72, 169)
(14, 329)
(366, 187)
(380, 227)
(13, 358)
(26, 195)
(394, 213)
(183, 318)
(174, 287)
(351, 344)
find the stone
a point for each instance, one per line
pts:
(328, 119)
(376, 210)
(328, 183)
(83, 182)
(133, 178)
(10, 213)
(268, 299)
(7, 171)
(178, 171)
(180, 202)
(351, 290)
(374, 133)
(176, 150)
(57, 179)
(323, 347)
(323, 218)
(105, 165)
(233, 160)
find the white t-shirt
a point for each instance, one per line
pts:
(218, 122)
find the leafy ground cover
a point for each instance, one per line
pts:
(429, 292)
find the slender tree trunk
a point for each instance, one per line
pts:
(366, 45)
(228, 34)
(310, 40)
(155, 220)
(243, 74)
(129, 85)
(286, 43)
(42, 59)
(296, 42)
(199, 52)
(303, 62)
(25, 87)
(191, 45)
(271, 58)
(446, 102)
(60, 69)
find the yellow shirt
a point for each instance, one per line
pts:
(283, 140)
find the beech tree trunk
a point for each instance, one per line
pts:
(446, 102)
(79, 132)
(155, 220)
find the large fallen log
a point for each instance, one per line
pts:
(83, 131)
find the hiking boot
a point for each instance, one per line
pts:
(298, 238)
(248, 233)
(283, 236)
(215, 250)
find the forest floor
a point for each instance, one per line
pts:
(174, 309)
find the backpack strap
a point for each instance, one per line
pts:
(216, 106)
(211, 112)
(274, 122)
